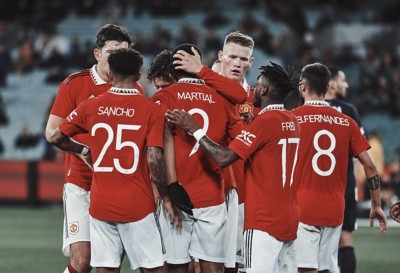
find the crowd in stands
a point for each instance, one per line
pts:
(30, 39)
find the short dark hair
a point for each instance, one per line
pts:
(161, 67)
(111, 32)
(317, 76)
(334, 72)
(281, 81)
(187, 48)
(125, 62)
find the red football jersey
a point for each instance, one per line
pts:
(120, 124)
(327, 136)
(270, 145)
(199, 175)
(75, 89)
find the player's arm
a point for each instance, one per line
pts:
(155, 162)
(373, 182)
(67, 144)
(169, 154)
(52, 124)
(220, 154)
(228, 88)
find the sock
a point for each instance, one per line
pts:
(70, 269)
(347, 260)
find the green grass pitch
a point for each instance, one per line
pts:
(30, 241)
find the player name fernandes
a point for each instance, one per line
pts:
(323, 118)
(195, 96)
(116, 111)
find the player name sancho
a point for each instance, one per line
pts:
(115, 111)
(195, 96)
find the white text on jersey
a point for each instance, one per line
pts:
(116, 111)
(246, 137)
(288, 126)
(323, 118)
(195, 96)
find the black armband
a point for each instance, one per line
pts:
(374, 182)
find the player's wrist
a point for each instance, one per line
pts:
(85, 150)
(374, 183)
(198, 134)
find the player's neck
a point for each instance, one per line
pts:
(330, 96)
(313, 97)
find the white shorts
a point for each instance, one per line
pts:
(202, 236)
(232, 205)
(141, 241)
(265, 254)
(76, 216)
(317, 247)
(239, 240)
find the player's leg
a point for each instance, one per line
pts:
(347, 257)
(328, 250)
(239, 240)
(177, 245)
(208, 237)
(307, 247)
(232, 204)
(107, 270)
(261, 252)
(211, 267)
(143, 243)
(287, 258)
(76, 241)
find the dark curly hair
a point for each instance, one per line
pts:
(187, 48)
(161, 67)
(125, 62)
(281, 81)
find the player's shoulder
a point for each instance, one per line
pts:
(77, 76)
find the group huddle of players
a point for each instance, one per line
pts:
(207, 170)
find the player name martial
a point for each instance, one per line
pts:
(195, 96)
(323, 118)
(116, 111)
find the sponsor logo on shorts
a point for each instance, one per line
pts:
(73, 228)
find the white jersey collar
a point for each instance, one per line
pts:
(192, 81)
(96, 77)
(272, 107)
(124, 91)
(316, 103)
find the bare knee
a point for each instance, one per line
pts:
(80, 257)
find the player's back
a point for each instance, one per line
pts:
(327, 136)
(195, 170)
(270, 203)
(121, 126)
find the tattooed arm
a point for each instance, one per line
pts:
(220, 154)
(156, 164)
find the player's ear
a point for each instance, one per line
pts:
(110, 76)
(96, 53)
(138, 76)
(251, 60)
(220, 53)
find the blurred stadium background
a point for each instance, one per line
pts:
(42, 41)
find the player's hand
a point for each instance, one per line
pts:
(247, 117)
(378, 212)
(175, 214)
(182, 119)
(395, 211)
(87, 159)
(180, 197)
(187, 62)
